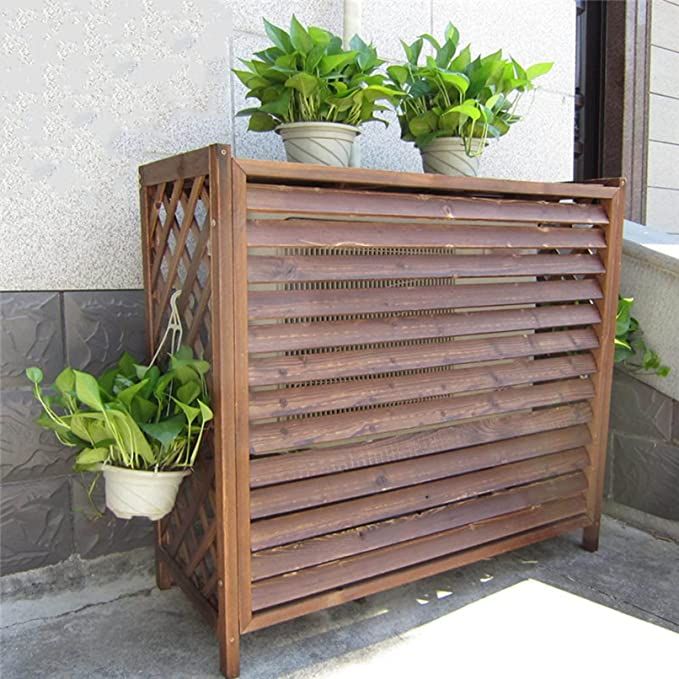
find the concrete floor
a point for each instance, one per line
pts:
(105, 618)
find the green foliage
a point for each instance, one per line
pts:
(132, 416)
(451, 95)
(306, 75)
(630, 349)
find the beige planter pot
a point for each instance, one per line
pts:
(318, 143)
(132, 492)
(446, 155)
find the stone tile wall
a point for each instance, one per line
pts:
(45, 512)
(643, 451)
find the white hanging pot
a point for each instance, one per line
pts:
(134, 492)
(446, 155)
(318, 143)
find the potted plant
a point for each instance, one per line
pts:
(453, 103)
(314, 93)
(138, 424)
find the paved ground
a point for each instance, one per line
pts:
(106, 619)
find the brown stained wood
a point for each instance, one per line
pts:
(403, 576)
(267, 304)
(182, 166)
(278, 198)
(188, 587)
(272, 171)
(290, 336)
(267, 593)
(313, 463)
(298, 495)
(310, 523)
(325, 233)
(341, 395)
(604, 356)
(291, 434)
(224, 406)
(270, 562)
(265, 269)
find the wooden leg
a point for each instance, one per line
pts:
(229, 650)
(163, 578)
(590, 537)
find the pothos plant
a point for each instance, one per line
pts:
(631, 351)
(306, 75)
(453, 95)
(133, 416)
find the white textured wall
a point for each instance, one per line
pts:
(94, 88)
(662, 197)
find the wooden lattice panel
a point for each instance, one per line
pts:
(411, 373)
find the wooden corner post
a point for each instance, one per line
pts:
(224, 372)
(609, 281)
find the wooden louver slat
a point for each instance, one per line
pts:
(266, 269)
(314, 335)
(263, 304)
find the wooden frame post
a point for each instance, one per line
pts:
(604, 357)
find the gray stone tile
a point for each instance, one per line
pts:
(646, 476)
(28, 451)
(639, 410)
(95, 536)
(247, 16)
(35, 525)
(101, 324)
(30, 334)
(675, 422)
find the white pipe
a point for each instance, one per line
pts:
(352, 26)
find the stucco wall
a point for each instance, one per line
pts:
(662, 197)
(94, 88)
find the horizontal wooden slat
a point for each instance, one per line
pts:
(297, 495)
(313, 463)
(309, 523)
(335, 597)
(263, 304)
(341, 395)
(290, 336)
(290, 586)
(291, 434)
(356, 234)
(299, 200)
(183, 166)
(270, 562)
(266, 269)
(267, 170)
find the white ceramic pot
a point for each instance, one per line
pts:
(132, 492)
(446, 155)
(318, 143)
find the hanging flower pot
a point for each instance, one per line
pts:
(447, 155)
(319, 143)
(134, 492)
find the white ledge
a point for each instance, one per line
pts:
(655, 247)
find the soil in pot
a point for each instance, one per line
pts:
(446, 155)
(133, 492)
(318, 143)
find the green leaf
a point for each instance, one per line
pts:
(319, 35)
(467, 109)
(205, 411)
(188, 392)
(35, 375)
(89, 458)
(300, 39)
(278, 37)
(462, 60)
(261, 122)
(427, 122)
(452, 34)
(126, 395)
(536, 70)
(87, 390)
(165, 431)
(190, 412)
(305, 83)
(127, 365)
(335, 62)
(399, 74)
(65, 381)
